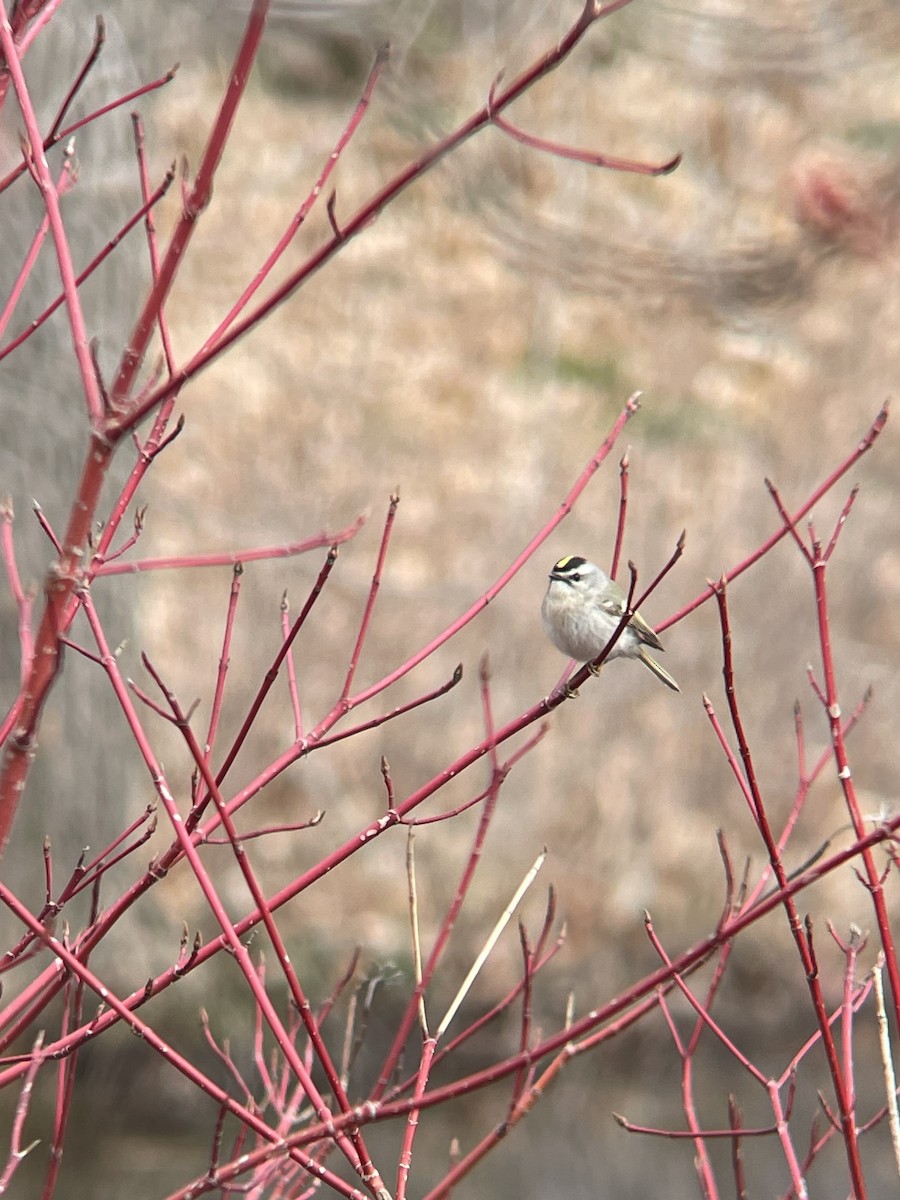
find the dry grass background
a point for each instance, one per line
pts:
(473, 347)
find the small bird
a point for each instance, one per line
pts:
(581, 611)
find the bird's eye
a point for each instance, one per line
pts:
(576, 578)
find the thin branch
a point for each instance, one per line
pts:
(119, 102)
(306, 207)
(24, 601)
(152, 243)
(93, 55)
(68, 176)
(864, 445)
(560, 150)
(272, 673)
(624, 463)
(224, 659)
(232, 557)
(16, 1150)
(351, 1146)
(373, 592)
(142, 213)
(194, 205)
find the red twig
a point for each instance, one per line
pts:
(93, 55)
(306, 207)
(685, 1052)
(152, 244)
(370, 601)
(736, 1125)
(543, 956)
(623, 510)
(399, 711)
(232, 557)
(864, 445)
(528, 961)
(293, 691)
(272, 673)
(194, 205)
(353, 1147)
(65, 1086)
(138, 529)
(142, 212)
(689, 1134)
(67, 178)
(23, 600)
(89, 873)
(152, 1039)
(39, 167)
(851, 950)
(292, 827)
(803, 943)
(224, 660)
(408, 1019)
(62, 580)
(223, 1053)
(69, 130)
(817, 560)
(404, 1161)
(16, 1150)
(41, 518)
(39, 13)
(560, 150)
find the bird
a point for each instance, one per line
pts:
(583, 608)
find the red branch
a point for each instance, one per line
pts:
(559, 150)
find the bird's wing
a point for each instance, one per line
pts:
(645, 633)
(615, 606)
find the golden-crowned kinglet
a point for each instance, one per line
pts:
(582, 610)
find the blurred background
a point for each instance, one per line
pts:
(473, 348)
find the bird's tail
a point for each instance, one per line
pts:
(658, 671)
